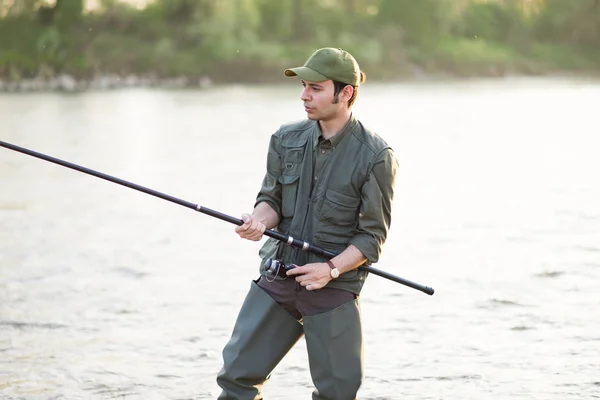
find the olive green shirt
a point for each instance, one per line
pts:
(330, 193)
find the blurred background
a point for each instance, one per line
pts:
(490, 106)
(198, 42)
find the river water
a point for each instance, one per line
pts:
(108, 293)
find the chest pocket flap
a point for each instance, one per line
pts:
(344, 200)
(293, 151)
(339, 208)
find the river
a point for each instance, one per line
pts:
(108, 293)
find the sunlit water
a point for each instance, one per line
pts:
(106, 292)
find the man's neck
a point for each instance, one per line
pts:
(331, 127)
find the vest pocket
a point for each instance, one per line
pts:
(293, 154)
(339, 207)
(338, 217)
(289, 192)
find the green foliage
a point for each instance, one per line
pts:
(421, 22)
(69, 11)
(16, 66)
(569, 22)
(489, 21)
(475, 54)
(253, 39)
(49, 46)
(22, 7)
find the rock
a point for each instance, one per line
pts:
(132, 81)
(32, 85)
(66, 83)
(418, 72)
(205, 82)
(12, 87)
(174, 83)
(105, 82)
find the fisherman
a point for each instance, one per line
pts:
(329, 180)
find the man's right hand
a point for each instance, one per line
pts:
(252, 229)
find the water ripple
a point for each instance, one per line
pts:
(588, 249)
(454, 378)
(25, 325)
(550, 274)
(496, 303)
(130, 272)
(521, 328)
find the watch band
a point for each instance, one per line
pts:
(334, 273)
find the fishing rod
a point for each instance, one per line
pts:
(289, 240)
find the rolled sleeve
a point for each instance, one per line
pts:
(376, 207)
(270, 191)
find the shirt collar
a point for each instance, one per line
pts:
(337, 138)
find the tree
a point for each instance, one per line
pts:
(69, 12)
(420, 21)
(21, 7)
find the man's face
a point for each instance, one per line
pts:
(319, 102)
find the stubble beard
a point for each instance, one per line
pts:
(335, 100)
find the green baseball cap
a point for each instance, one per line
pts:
(329, 63)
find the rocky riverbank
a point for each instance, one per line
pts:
(67, 83)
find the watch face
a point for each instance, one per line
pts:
(335, 273)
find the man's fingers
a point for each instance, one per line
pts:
(247, 218)
(255, 236)
(296, 271)
(314, 286)
(246, 230)
(303, 278)
(241, 228)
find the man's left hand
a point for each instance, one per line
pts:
(312, 276)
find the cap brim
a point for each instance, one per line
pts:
(306, 73)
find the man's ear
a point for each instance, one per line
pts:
(347, 92)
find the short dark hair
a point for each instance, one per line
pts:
(337, 88)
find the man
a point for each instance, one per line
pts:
(329, 181)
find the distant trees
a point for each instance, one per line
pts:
(187, 36)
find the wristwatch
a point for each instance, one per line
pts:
(334, 271)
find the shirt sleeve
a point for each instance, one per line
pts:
(376, 207)
(270, 191)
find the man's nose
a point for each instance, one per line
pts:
(304, 96)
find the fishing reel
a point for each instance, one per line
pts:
(278, 267)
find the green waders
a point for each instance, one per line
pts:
(263, 334)
(334, 345)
